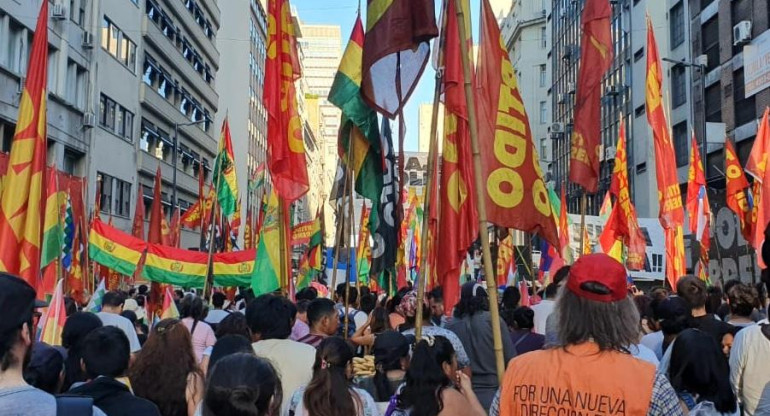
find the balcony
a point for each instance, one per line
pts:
(187, 185)
(183, 18)
(170, 114)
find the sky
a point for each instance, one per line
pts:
(343, 13)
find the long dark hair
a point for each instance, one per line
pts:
(380, 320)
(77, 326)
(699, 368)
(473, 299)
(425, 379)
(191, 306)
(244, 385)
(162, 368)
(328, 393)
(390, 348)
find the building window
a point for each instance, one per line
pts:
(542, 75)
(714, 104)
(543, 112)
(678, 85)
(116, 118)
(745, 107)
(639, 111)
(543, 38)
(543, 149)
(710, 42)
(118, 44)
(680, 144)
(70, 161)
(115, 195)
(676, 18)
(639, 54)
(741, 10)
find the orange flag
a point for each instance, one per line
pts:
(458, 225)
(175, 229)
(564, 237)
(75, 283)
(595, 60)
(756, 166)
(696, 182)
(736, 185)
(516, 196)
(671, 213)
(137, 230)
(21, 202)
(285, 143)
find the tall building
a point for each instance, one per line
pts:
(122, 75)
(242, 42)
(424, 118)
(526, 37)
(623, 95)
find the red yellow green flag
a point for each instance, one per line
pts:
(113, 248)
(285, 143)
(234, 268)
(20, 201)
(564, 237)
(671, 212)
(175, 266)
(53, 231)
(268, 264)
(224, 173)
(169, 310)
(52, 321)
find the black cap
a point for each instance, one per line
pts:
(17, 301)
(391, 345)
(671, 308)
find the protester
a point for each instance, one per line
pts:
(750, 369)
(133, 306)
(323, 320)
(654, 339)
(510, 299)
(105, 359)
(742, 299)
(393, 305)
(216, 315)
(714, 300)
(191, 311)
(723, 312)
(521, 324)
(270, 321)
(227, 345)
(700, 375)
(330, 391)
(17, 398)
(368, 302)
(408, 306)
(355, 317)
(140, 328)
(45, 370)
(74, 332)
(233, 324)
(166, 371)
(544, 309)
(242, 384)
(472, 324)
(391, 359)
(434, 386)
(436, 303)
(300, 327)
(112, 306)
(377, 323)
(693, 291)
(597, 322)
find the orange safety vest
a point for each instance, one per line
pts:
(577, 381)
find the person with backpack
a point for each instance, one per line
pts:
(105, 360)
(356, 318)
(17, 398)
(322, 317)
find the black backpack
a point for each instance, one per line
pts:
(351, 322)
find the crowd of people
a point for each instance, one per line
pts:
(585, 343)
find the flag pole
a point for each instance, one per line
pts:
(494, 308)
(348, 243)
(583, 203)
(283, 218)
(214, 205)
(432, 162)
(340, 224)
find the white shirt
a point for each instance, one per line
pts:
(654, 341)
(542, 311)
(216, 316)
(292, 360)
(113, 319)
(643, 353)
(750, 369)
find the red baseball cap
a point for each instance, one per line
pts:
(602, 269)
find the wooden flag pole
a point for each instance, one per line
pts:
(432, 161)
(348, 240)
(583, 203)
(214, 205)
(340, 230)
(494, 308)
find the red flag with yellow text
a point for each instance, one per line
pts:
(595, 59)
(21, 205)
(285, 143)
(513, 182)
(671, 213)
(735, 192)
(564, 236)
(756, 166)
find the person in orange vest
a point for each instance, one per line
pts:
(591, 370)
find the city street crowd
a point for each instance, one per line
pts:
(587, 343)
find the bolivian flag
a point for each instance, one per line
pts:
(268, 263)
(175, 266)
(114, 249)
(234, 268)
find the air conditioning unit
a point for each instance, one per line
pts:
(571, 87)
(557, 128)
(59, 11)
(610, 152)
(742, 32)
(561, 98)
(89, 119)
(88, 40)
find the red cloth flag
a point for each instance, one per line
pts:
(514, 189)
(564, 237)
(671, 212)
(175, 229)
(736, 185)
(156, 235)
(698, 200)
(458, 227)
(21, 204)
(756, 166)
(595, 59)
(137, 230)
(285, 143)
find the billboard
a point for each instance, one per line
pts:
(756, 64)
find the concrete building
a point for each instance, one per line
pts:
(424, 118)
(526, 37)
(623, 95)
(121, 76)
(240, 87)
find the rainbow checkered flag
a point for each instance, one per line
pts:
(95, 304)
